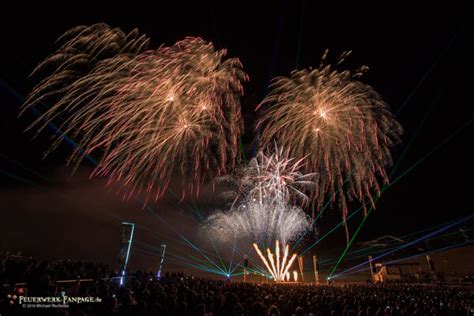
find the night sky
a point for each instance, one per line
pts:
(420, 59)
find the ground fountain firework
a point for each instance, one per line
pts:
(277, 266)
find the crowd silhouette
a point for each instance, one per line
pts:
(177, 294)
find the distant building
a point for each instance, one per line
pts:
(396, 272)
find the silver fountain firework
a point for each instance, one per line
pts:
(263, 209)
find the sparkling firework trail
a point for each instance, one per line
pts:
(339, 127)
(147, 114)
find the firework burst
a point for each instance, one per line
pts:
(146, 114)
(339, 127)
(263, 209)
(274, 176)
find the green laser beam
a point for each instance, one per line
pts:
(369, 251)
(434, 102)
(406, 101)
(446, 140)
(24, 180)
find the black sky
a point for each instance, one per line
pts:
(419, 57)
